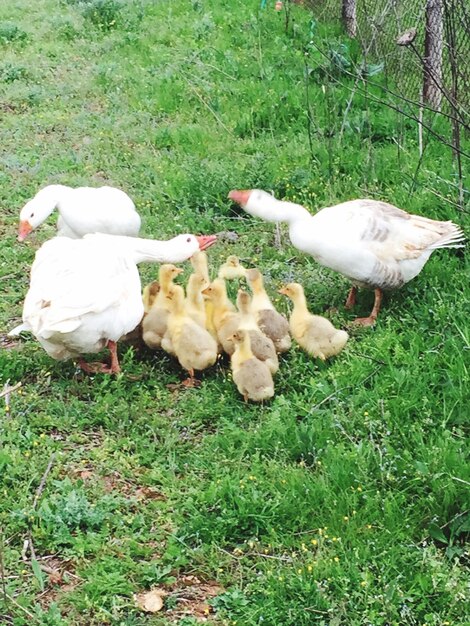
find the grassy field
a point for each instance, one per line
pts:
(341, 502)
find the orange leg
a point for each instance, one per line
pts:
(102, 368)
(94, 368)
(115, 367)
(191, 381)
(351, 299)
(370, 321)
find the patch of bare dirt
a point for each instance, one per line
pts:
(8, 343)
(60, 579)
(188, 596)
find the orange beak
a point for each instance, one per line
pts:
(23, 230)
(282, 290)
(205, 241)
(240, 196)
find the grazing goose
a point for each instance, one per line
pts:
(251, 376)
(231, 269)
(193, 345)
(82, 210)
(271, 323)
(85, 294)
(314, 333)
(374, 244)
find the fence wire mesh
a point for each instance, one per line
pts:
(442, 30)
(422, 48)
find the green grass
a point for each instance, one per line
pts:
(341, 502)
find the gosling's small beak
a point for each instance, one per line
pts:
(282, 290)
(205, 241)
(24, 229)
(205, 291)
(178, 270)
(240, 196)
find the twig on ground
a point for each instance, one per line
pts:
(460, 480)
(28, 543)
(270, 556)
(206, 104)
(42, 484)
(7, 389)
(2, 567)
(332, 395)
(366, 356)
(13, 601)
(277, 237)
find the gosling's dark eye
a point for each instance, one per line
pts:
(32, 215)
(188, 239)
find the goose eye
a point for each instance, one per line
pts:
(32, 215)
(188, 239)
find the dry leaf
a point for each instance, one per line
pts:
(55, 577)
(152, 601)
(148, 493)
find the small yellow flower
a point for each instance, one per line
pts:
(363, 583)
(309, 568)
(369, 526)
(346, 518)
(24, 571)
(299, 571)
(280, 578)
(42, 435)
(314, 542)
(336, 559)
(359, 488)
(27, 453)
(366, 413)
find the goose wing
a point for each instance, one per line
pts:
(392, 234)
(70, 279)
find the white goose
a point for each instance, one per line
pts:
(374, 244)
(82, 210)
(85, 294)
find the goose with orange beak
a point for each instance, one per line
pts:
(374, 244)
(85, 294)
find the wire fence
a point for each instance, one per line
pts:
(380, 23)
(422, 48)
